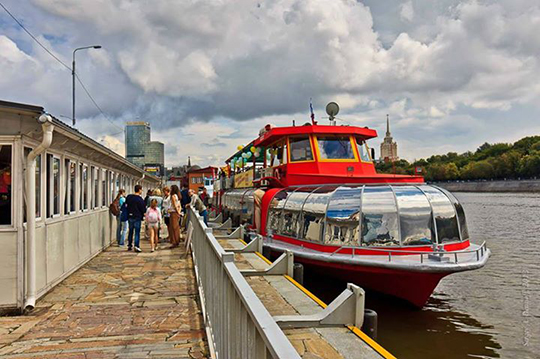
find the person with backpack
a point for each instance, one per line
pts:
(115, 209)
(153, 218)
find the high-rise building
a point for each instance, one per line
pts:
(137, 138)
(388, 147)
(154, 161)
(142, 152)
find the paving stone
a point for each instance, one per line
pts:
(119, 305)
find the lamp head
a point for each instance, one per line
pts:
(97, 47)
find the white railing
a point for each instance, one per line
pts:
(238, 325)
(395, 253)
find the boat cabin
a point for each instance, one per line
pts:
(308, 155)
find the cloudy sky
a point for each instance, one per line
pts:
(207, 75)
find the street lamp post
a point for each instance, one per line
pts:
(73, 76)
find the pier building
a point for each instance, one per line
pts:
(55, 188)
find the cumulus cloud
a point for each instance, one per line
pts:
(199, 67)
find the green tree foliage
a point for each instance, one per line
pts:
(489, 161)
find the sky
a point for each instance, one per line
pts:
(207, 75)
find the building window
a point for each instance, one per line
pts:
(103, 187)
(84, 184)
(335, 148)
(95, 187)
(5, 184)
(56, 186)
(66, 186)
(300, 148)
(72, 183)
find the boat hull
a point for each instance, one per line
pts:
(412, 286)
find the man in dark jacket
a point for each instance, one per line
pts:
(136, 209)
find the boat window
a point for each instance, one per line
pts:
(5, 184)
(343, 216)
(275, 212)
(313, 214)
(460, 214)
(292, 212)
(278, 154)
(300, 149)
(335, 148)
(415, 219)
(444, 213)
(363, 150)
(379, 217)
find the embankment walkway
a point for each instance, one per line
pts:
(119, 305)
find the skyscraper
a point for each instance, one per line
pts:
(142, 152)
(388, 147)
(155, 158)
(137, 138)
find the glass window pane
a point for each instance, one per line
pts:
(66, 186)
(363, 150)
(38, 186)
(379, 217)
(300, 149)
(293, 210)
(343, 216)
(333, 147)
(460, 214)
(85, 187)
(444, 213)
(415, 219)
(56, 186)
(5, 184)
(314, 213)
(72, 180)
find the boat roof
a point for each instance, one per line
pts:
(274, 134)
(277, 133)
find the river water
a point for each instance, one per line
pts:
(493, 312)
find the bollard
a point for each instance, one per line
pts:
(370, 323)
(298, 273)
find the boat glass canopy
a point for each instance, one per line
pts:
(368, 215)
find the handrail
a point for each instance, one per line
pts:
(480, 251)
(238, 325)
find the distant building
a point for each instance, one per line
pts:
(146, 154)
(154, 158)
(197, 176)
(137, 138)
(388, 147)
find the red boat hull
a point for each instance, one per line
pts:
(414, 287)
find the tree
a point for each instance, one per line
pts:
(478, 170)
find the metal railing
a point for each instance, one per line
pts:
(238, 325)
(479, 252)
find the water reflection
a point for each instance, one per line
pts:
(437, 331)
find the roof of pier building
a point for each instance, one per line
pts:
(20, 119)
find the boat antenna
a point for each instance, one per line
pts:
(313, 122)
(332, 109)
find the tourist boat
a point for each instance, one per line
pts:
(320, 197)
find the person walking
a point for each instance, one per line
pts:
(166, 207)
(156, 194)
(153, 217)
(184, 201)
(136, 210)
(174, 212)
(197, 204)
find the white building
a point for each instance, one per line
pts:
(54, 214)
